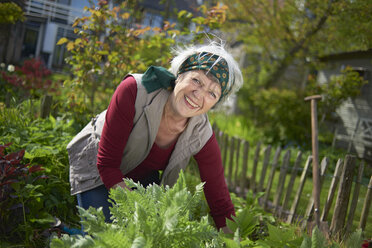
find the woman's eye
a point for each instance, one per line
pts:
(196, 81)
(213, 95)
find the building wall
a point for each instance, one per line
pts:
(354, 128)
(49, 20)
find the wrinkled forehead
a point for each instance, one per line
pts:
(207, 74)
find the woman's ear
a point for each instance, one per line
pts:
(178, 78)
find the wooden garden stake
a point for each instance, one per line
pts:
(314, 138)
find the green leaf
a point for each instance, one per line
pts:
(230, 243)
(198, 20)
(139, 242)
(62, 41)
(182, 13)
(232, 225)
(317, 239)
(355, 240)
(103, 52)
(306, 243)
(246, 221)
(47, 218)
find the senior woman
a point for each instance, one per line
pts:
(156, 122)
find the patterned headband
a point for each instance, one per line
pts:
(207, 62)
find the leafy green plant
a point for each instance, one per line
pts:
(44, 142)
(155, 216)
(355, 240)
(10, 13)
(281, 236)
(20, 197)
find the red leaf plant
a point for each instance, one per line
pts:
(31, 76)
(12, 170)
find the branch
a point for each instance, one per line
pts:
(283, 63)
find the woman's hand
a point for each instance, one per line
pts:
(122, 185)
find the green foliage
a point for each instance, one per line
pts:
(290, 36)
(151, 217)
(31, 80)
(284, 116)
(317, 239)
(281, 236)
(20, 197)
(110, 44)
(339, 88)
(44, 142)
(10, 13)
(106, 49)
(355, 240)
(282, 33)
(237, 125)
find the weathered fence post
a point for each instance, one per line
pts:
(46, 105)
(8, 96)
(299, 191)
(237, 159)
(332, 190)
(354, 201)
(281, 182)
(253, 184)
(264, 167)
(243, 178)
(287, 196)
(271, 177)
(219, 135)
(342, 201)
(231, 162)
(366, 205)
(216, 132)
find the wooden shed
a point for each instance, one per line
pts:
(353, 130)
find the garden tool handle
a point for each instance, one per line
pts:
(314, 139)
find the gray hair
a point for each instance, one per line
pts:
(235, 76)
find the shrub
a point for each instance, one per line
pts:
(10, 13)
(32, 79)
(44, 142)
(21, 207)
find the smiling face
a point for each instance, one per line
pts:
(195, 93)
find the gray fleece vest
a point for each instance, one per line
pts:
(82, 149)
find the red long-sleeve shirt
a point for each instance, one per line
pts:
(115, 133)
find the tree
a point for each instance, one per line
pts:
(278, 36)
(280, 32)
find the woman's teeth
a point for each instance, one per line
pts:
(191, 103)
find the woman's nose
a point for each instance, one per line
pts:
(199, 93)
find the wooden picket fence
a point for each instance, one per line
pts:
(244, 177)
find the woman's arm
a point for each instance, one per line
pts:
(115, 133)
(215, 188)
